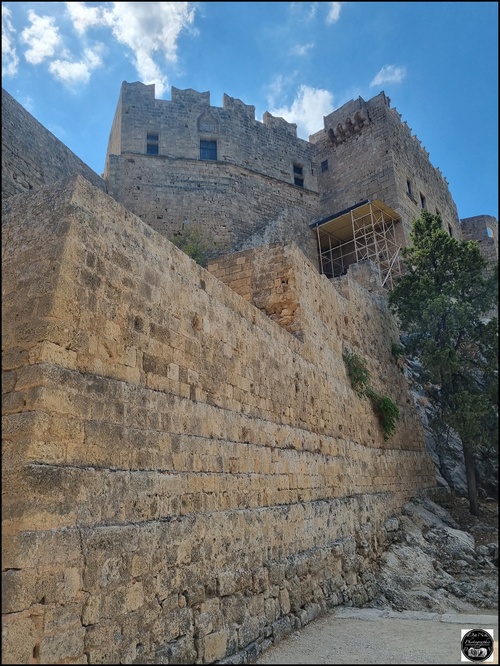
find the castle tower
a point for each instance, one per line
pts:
(374, 179)
(183, 163)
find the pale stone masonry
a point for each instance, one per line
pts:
(185, 480)
(32, 156)
(246, 189)
(372, 154)
(247, 192)
(187, 473)
(484, 230)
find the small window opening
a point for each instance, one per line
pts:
(208, 150)
(450, 230)
(298, 171)
(489, 232)
(423, 201)
(324, 165)
(409, 188)
(152, 143)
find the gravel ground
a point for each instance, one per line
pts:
(368, 636)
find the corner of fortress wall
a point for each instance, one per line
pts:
(187, 473)
(32, 156)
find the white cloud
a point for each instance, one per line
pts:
(76, 73)
(42, 38)
(276, 90)
(310, 7)
(301, 49)
(148, 28)
(10, 60)
(389, 74)
(333, 12)
(307, 110)
(313, 9)
(83, 16)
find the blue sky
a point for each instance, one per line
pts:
(437, 61)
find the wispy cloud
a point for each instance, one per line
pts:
(83, 16)
(42, 38)
(301, 49)
(333, 12)
(307, 9)
(389, 74)
(10, 59)
(148, 29)
(307, 110)
(76, 73)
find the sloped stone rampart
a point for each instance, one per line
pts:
(32, 156)
(184, 479)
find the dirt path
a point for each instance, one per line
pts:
(369, 636)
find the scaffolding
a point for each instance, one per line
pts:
(367, 231)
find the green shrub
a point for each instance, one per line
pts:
(359, 376)
(386, 411)
(397, 350)
(191, 242)
(357, 371)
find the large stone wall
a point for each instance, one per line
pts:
(184, 480)
(228, 206)
(32, 156)
(371, 154)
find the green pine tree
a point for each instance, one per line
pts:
(442, 303)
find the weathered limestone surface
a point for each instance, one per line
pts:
(484, 230)
(371, 154)
(185, 480)
(246, 192)
(32, 156)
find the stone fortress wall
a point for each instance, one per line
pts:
(187, 473)
(247, 191)
(32, 156)
(185, 479)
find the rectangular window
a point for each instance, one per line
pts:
(152, 143)
(324, 165)
(298, 181)
(409, 189)
(423, 202)
(297, 169)
(208, 150)
(450, 230)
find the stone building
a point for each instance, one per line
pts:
(348, 194)
(374, 179)
(188, 475)
(184, 162)
(353, 190)
(484, 230)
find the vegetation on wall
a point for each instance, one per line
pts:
(359, 376)
(192, 243)
(444, 303)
